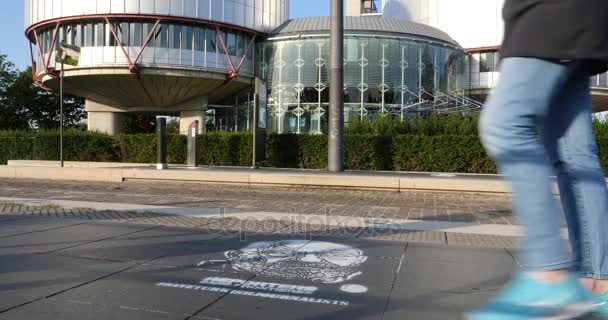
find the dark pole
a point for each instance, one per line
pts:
(336, 93)
(161, 147)
(61, 115)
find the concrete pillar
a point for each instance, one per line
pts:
(104, 118)
(105, 122)
(194, 110)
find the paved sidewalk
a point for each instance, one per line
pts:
(455, 207)
(77, 268)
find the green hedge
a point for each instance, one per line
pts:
(141, 148)
(463, 154)
(363, 151)
(44, 145)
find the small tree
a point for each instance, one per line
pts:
(41, 107)
(11, 117)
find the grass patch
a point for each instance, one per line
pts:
(10, 203)
(49, 206)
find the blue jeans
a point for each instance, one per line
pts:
(538, 123)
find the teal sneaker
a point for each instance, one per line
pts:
(601, 309)
(526, 298)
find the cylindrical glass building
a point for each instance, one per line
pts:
(174, 57)
(391, 67)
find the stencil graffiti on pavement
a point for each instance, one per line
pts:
(316, 261)
(301, 260)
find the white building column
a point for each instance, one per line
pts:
(103, 118)
(105, 122)
(193, 110)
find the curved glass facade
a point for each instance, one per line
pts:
(172, 44)
(261, 15)
(381, 76)
(600, 81)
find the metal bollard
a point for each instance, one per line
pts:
(192, 137)
(161, 147)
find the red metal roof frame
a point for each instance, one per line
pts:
(133, 68)
(482, 49)
(162, 18)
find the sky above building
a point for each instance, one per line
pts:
(15, 45)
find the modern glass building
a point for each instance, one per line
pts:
(392, 67)
(477, 25)
(181, 58)
(197, 59)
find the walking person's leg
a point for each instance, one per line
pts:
(510, 121)
(581, 180)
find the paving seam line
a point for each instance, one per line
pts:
(80, 285)
(100, 240)
(237, 287)
(397, 273)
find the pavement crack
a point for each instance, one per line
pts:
(195, 314)
(100, 240)
(397, 272)
(513, 257)
(49, 229)
(81, 284)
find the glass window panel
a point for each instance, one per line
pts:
(77, 35)
(162, 6)
(176, 38)
(176, 7)
(187, 37)
(203, 9)
(251, 49)
(88, 35)
(145, 31)
(231, 43)
(241, 45)
(100, 35)
(162, 40)
(61, 37)
(135, 34)
(199, 44)
(217, 10)
(211, 40)
(190, 8)
(484, 65)
(124, 33)
(496, 60)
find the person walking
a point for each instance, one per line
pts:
(538, 123)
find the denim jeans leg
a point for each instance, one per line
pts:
(581, 177)
(509, 129)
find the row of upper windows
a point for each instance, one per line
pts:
(134, 34)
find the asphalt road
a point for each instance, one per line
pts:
(74, 269)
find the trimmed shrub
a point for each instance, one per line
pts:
(312, 151)
(282, 151)
(78, 146)
(225, 149)
(463, 154)
(141, 148)
(368, 152)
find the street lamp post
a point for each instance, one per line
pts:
(336, 94)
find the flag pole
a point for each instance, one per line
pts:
(61, 114)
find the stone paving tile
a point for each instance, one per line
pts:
(482, 241)
(443, 206)
(231, 227)
(436, 237)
